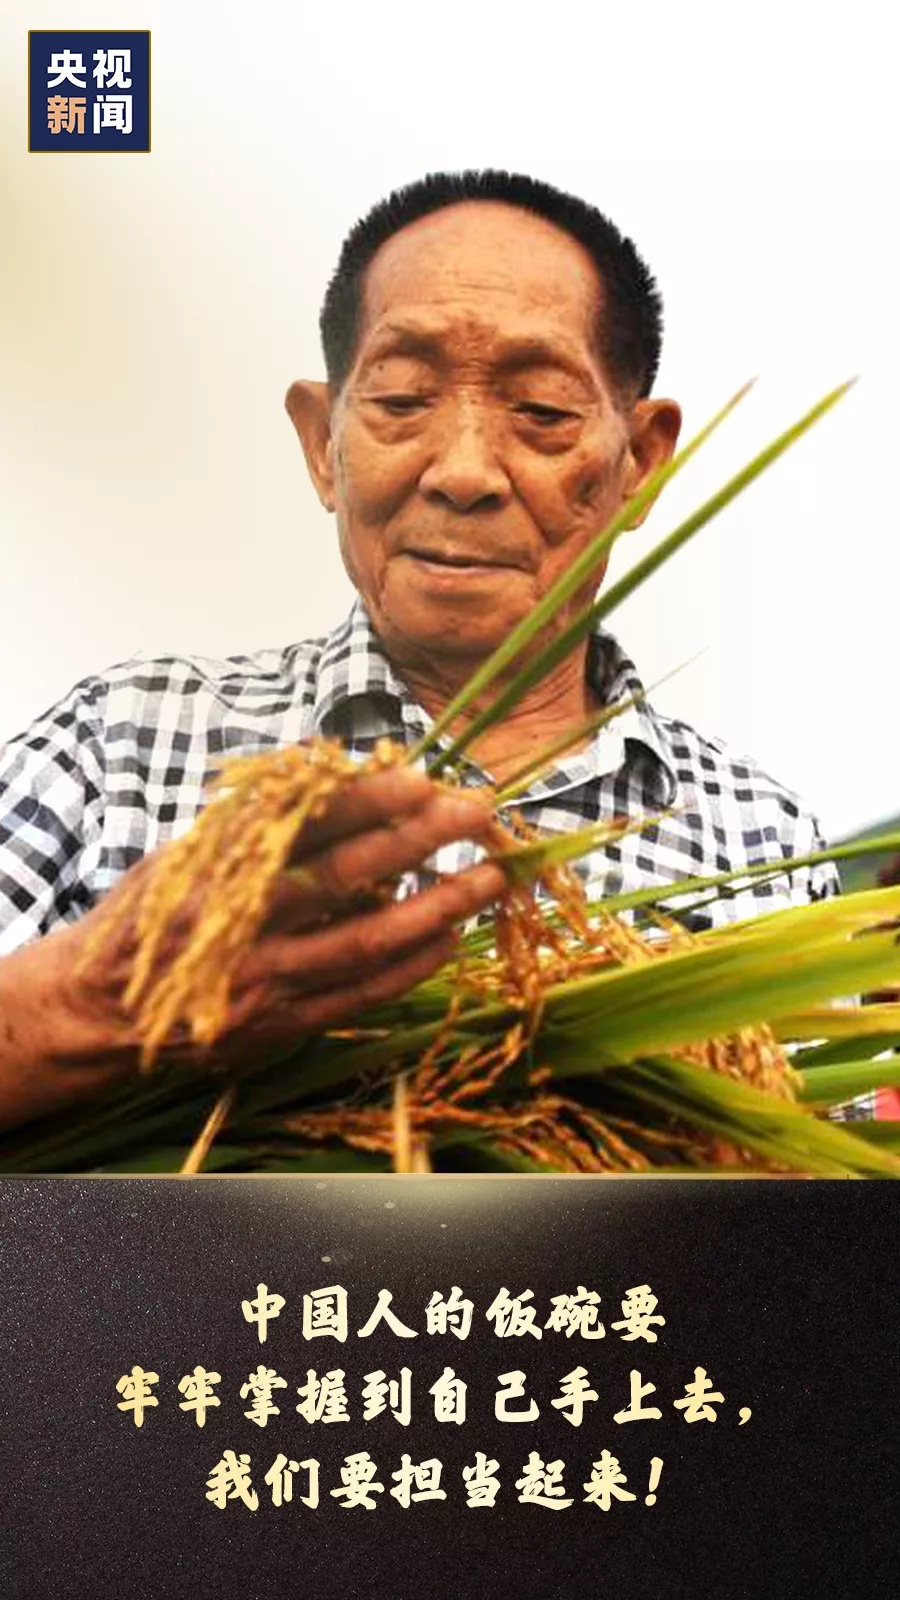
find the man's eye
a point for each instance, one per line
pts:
(544, 414)
(401, 405)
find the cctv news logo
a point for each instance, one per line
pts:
(88, 90)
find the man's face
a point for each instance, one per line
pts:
(477, 444)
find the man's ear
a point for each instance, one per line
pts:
(655, 426)
(309, 408)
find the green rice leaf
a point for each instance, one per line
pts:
(535, 670)
(737, 878)
(535, 767)
(569, 583)
(830, 1086)
(778, 1131)
(725, 981)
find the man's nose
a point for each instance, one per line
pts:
(464, 470)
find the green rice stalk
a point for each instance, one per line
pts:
(570, 582)
(535, 670)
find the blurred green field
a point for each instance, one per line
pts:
(862, 872)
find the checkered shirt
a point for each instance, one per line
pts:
(120, 766)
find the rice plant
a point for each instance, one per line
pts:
(569, 1036)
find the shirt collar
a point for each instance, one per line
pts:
(614, 678)
(353, 667)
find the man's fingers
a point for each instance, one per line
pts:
(325, 882)
(360, 944)
(345, 1005)
(366, 802)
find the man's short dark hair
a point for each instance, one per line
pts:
(629, 330)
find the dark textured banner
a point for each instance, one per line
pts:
(416, 1388)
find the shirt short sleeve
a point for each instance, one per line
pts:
(51, 816)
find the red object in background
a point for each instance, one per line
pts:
(887, 1101)
(887, 1105)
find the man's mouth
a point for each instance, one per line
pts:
(457, 561)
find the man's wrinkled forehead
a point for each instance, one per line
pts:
(523, 344)
(480, 266)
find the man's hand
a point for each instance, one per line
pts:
(319, 960)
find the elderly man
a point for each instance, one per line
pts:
(491, 346)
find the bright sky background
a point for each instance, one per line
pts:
(153, 310)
